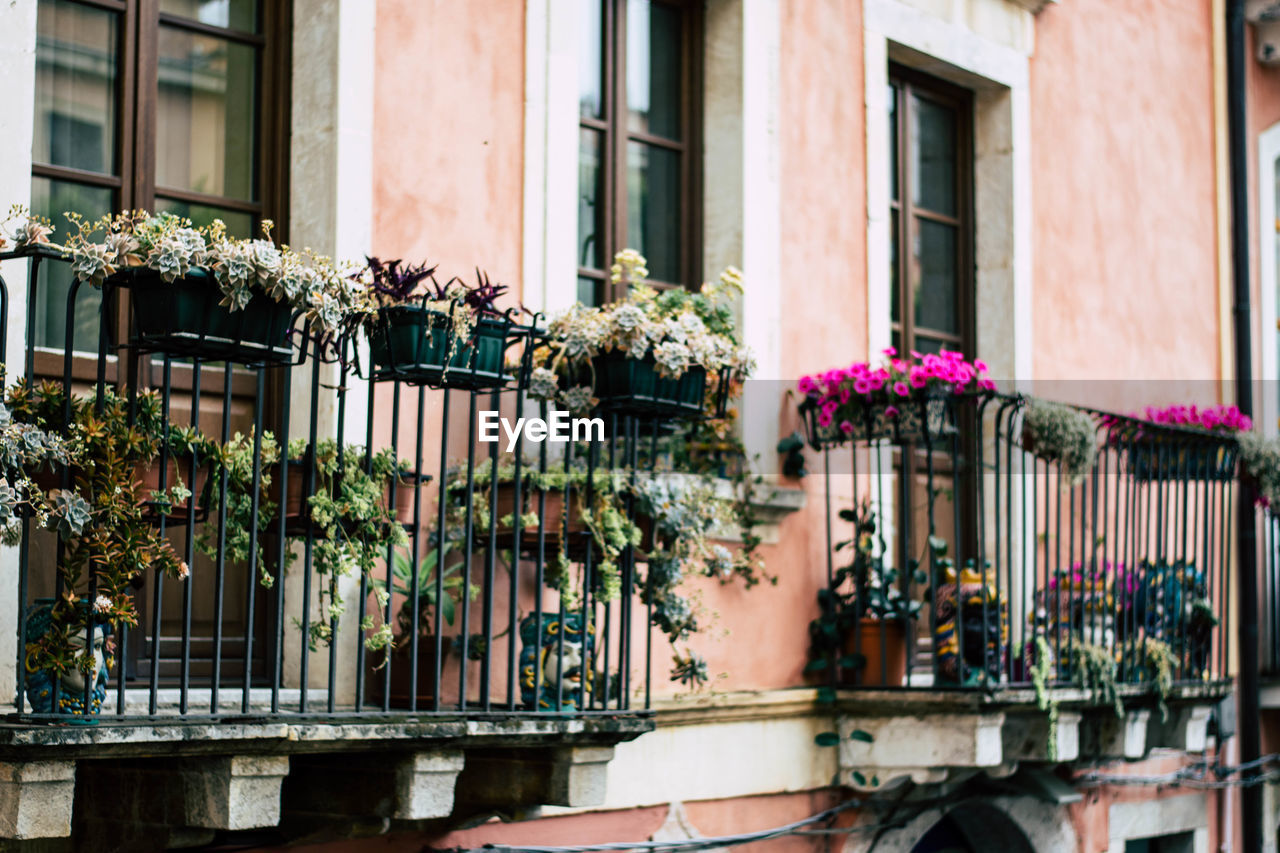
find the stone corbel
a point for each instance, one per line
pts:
(36, 799)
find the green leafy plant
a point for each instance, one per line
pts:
(1063, 435)
(107, 531)
(451, 584)
(864, 588)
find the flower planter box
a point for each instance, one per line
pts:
(917, 420)
(297, 511)
(882, 645)
(184, 318)
(1161, 461)
(402, 689)
(574, 533)
(415, 344)
(632, 386)
(179, 467)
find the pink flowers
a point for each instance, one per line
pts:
(841, 395)
(1215, 418)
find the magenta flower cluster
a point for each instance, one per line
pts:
(1215, 418)
(840, 394)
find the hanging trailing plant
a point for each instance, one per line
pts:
(1061, 434)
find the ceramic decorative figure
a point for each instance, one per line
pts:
(984, 639)
(563, 667)
(40, 682)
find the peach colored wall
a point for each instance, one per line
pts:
(448, 134)
(823, 190)
(1123, 185)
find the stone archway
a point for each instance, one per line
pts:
(1006, 824)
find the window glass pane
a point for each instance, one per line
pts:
(239, 224)
(590, 198)
(893, 142)
(653, 68)
(895, 310)
(591, 58)
(75, 116)
(236, 14)
(587, 291)
(653, 208)
(935, 276)
(205, 130)
(925, 345)
(53, 198)
(933, 156)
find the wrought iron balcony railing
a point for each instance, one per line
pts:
(966, 557)
(385, 562)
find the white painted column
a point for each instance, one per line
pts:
(18, 70)
(1268, 153)
(330, 210)
(550, 155)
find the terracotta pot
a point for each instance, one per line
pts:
(401, 662)
(296, 516)
(552, 512)
(883, 643)
(179, 468)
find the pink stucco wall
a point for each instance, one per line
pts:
(1123, 184)
(448, 135)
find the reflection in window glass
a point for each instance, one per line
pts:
(653, 68)
(590, 197)
(936, 276)
(53, 198)
(235, 14)
(591, 58)
(933, 156)
(653, 208)
(75, 98)
(239, 224)
(205, 129)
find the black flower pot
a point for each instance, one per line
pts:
(415, 344)
(184, 318)
(1158, 460)
(913, 420)
(633, 386)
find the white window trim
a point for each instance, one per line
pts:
(1000, 79)
(1268, 244)
(741, 153)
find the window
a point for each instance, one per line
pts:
(637, 141)
(1182, 842)
(169, 105)
(930, 184)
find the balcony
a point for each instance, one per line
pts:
(993, 600)
(304, 555)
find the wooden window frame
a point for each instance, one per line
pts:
(910, 82)
(132, 181)
(616, 134)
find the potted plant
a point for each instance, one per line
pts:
(860, 638)
(661, 354)
(1155, 455)
(424, 602)
(45, 402)
(901, 399)
(109, 540)
(1063, 435)
(202, 293)
(446, 335)
(399, 482)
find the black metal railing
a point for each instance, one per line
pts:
(965, 557)
(386, 515)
